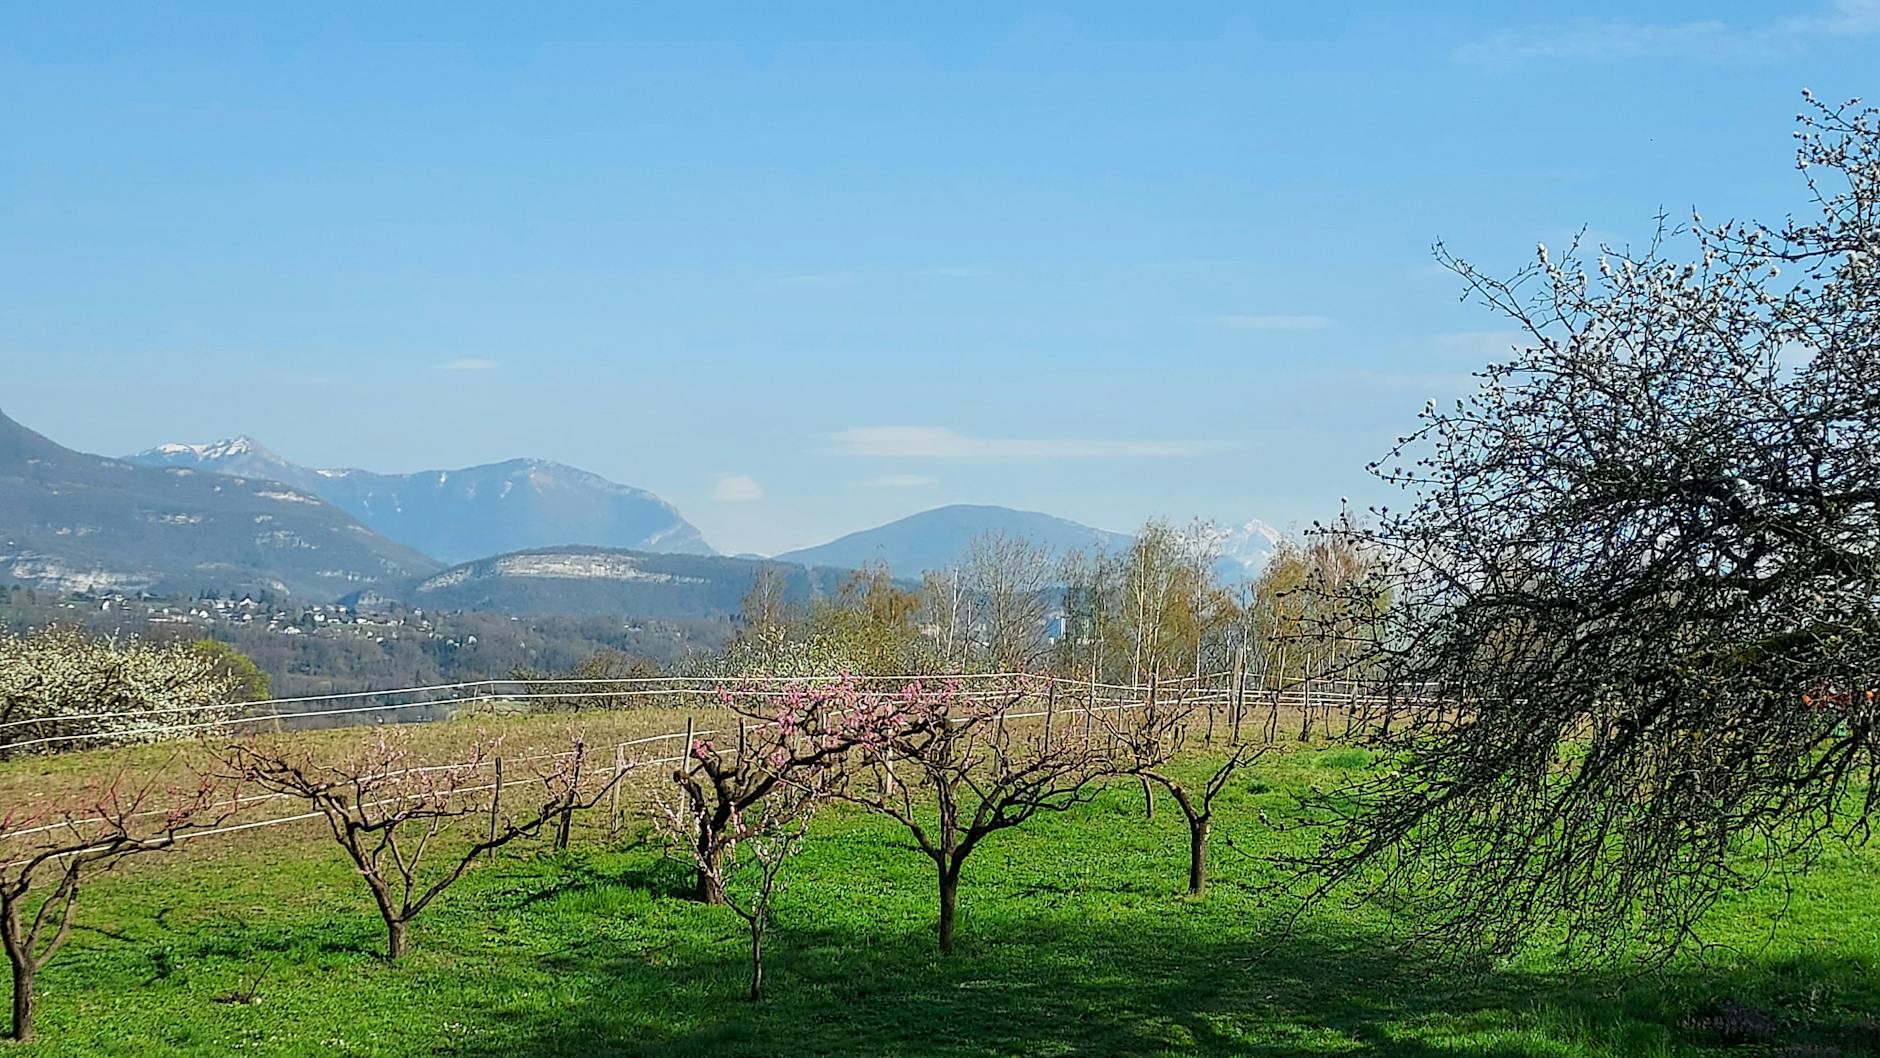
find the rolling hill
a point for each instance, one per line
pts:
(74, 521)
(597, 580)
(458, 515)
(941, 537)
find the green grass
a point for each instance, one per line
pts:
(1074, 940)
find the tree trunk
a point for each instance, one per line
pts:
(1148, 798)
(949, 901)
(22, 1030)
(707, 889)
(1197, 854)
(395, 923)
(757, 962)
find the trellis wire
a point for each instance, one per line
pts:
(1299, 692)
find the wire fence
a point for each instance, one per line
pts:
(672, 689)
(1240, 694)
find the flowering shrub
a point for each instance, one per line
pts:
(61, 689)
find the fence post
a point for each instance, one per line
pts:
(567, 806)
(1090, 708)
(1330, 703)
(685, 755)
(1305, 709)
(1279, 685)
(613, 794)
(1050, 706)
(496, 809)
(1237, 703)
(1148, 792)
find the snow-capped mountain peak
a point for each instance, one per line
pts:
(463, 513)
(1249, 544)
(1239, 551)
(217, 451)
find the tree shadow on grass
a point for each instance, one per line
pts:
(1053, 988)
(547, 880)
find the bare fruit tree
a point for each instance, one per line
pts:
(744, 864)
(1643, 562)
(49, 851)
(794, 735)
(971, 774)
(399, 820)
(1169, 725)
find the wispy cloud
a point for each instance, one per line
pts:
(1591, 40)
(938, 442)
(1274, 322)
(899, 481)
(472, 363)
(737, 488)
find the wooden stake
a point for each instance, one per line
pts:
(567, 807)
(1305, 710)
(613, 794)
(1237, 698)
(496, 807)
(1279, 684)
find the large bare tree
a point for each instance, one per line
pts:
(1644, 560)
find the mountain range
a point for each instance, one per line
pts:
(942, 537)
(522, 536)
(72, 521)
(473, 512)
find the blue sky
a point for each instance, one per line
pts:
(802, 271)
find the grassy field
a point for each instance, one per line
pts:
(1075, 940)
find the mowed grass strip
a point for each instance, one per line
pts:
(1075, 939)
